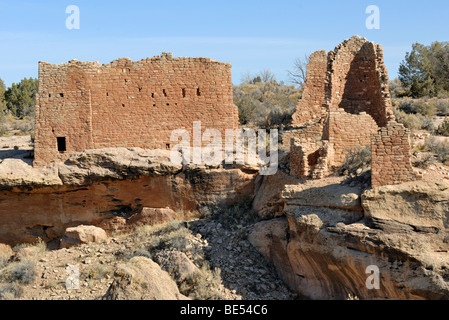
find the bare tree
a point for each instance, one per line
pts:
(298, 75)
(266, 75)
(247, 77)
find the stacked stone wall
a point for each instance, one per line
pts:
(310, 107)
(346, 131)
(129, 104)
(391, 162)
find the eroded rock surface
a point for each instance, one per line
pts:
(328, 253)
(142, 279)
(99, 186)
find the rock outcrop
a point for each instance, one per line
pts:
(81, 235)
(330, 252)
(97, 187)
(418, 206)
(177, 264)
(142, 279)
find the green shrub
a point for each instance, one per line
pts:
(171, 235)
(357, 161)
(264, 102)
(40, 246)
(424, 161)
(414, 121)
(23, 272)
(97, 272)
(439, 148)
(443, 128)
(442, 106)
(10, 291)
(276, 119)
(418, 106)
(202, 284)
(239, 214)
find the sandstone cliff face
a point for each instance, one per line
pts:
(419, 206)
(98, 185)
(329, 252)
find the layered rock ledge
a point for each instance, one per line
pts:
(95, 186)
(325, 248)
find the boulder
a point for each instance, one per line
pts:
(142, 279)
(82, 234)
(422, 206)
(264, 234)
(267, 202)
(270, 238)
(177, 264)
(330, 196)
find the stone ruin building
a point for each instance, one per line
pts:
(85, 105)
(346, 103)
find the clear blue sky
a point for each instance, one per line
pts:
(250, 34)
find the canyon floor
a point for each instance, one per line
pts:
(230, 268)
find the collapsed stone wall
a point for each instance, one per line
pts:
(85, 105)
(346, 100)
(310, 158)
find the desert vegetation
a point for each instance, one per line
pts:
(17, 107)
(18, 268)
(264, 102)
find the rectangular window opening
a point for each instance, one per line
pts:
(164, 92)
(62, 147)
(198, 92)
(183, 93)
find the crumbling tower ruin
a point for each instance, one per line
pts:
(85, 105)
(346, 101)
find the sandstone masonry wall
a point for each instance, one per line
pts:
(85, 105)
(346, 99)
(391, 163)
(346, 131)
(309, 158)
(358, 80)
(312, 132)
(310, 107)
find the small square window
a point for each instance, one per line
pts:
(62, 147)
